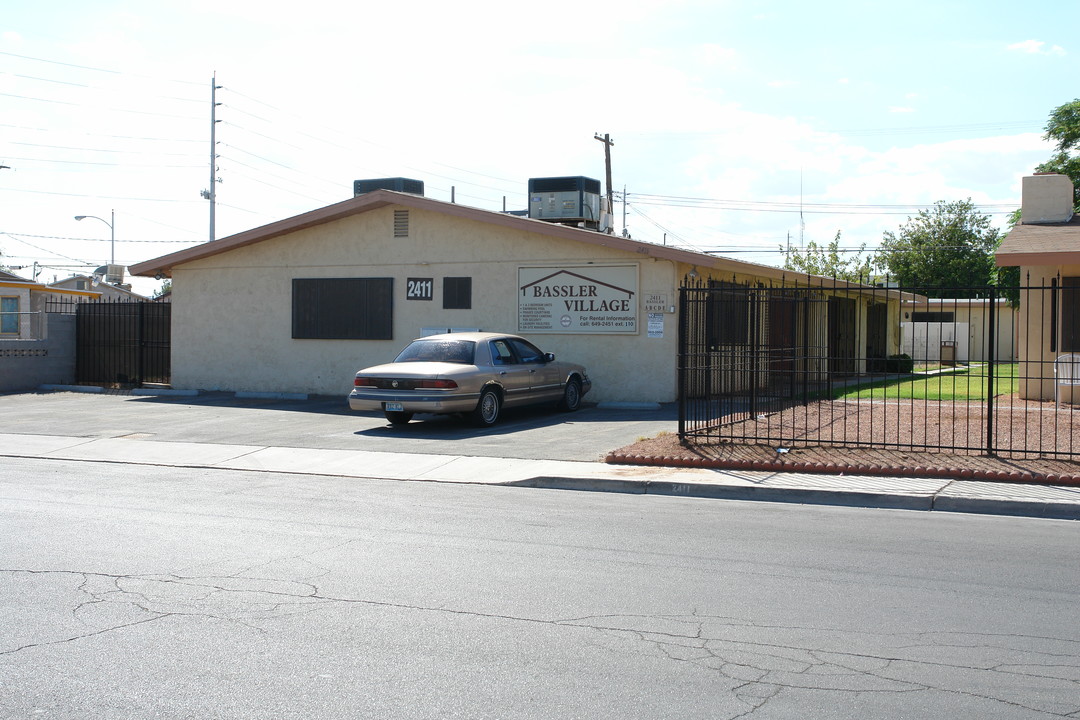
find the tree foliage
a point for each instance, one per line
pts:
(1063, 129)
(942, 250)
(829, 261)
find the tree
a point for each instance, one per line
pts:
(1007, 277)
(828, 262)
(942, 251)
(1063, 128)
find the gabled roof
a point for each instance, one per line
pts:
(383, 198)
(58, 284)
(34, 286)
(1042, 244)
(163, 266)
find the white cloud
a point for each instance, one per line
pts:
(1036, 47)
(712, 54)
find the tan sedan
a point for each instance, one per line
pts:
(474, 374)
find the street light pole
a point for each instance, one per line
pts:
(112, 232)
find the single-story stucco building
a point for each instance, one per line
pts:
(1045, 244)
(299, 305)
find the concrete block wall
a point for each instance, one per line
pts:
(26, 364)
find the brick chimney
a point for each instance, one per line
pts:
(1046, 199)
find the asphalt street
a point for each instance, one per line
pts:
(138, 591)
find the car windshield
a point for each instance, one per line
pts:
(451, 351)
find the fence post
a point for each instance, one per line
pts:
(755, 349)
(683, 323)
(991, 341)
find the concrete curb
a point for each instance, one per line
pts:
(270, 396)
(925, 502)
(72, 388)
(165, 392)
(1016, 508)
(798, 496)
(846, 469)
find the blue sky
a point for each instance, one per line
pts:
(725, 115)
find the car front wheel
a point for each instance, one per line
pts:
(398, 418)
(487, 410)
(571, 398)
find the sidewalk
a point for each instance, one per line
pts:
(967, 496)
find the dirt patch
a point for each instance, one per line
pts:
(812, 439)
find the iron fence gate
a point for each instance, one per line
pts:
(882, 367)
(123, 343)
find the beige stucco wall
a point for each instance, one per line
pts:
(232, 313)
(1034, 332)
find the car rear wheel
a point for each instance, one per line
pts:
(487, 410)
(571, 398)
(398, 418)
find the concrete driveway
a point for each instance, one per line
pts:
(327, 422)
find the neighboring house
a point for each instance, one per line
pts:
(106, 291)
(1045, 244)
(931, 323)
(22, 306)
(301, 304)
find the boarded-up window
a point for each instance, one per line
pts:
(1070, 314)
(728, 314)
(457, 293)
(343, 308)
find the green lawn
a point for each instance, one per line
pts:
(961, 384)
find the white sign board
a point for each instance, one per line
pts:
(580, 299)
(656, 325)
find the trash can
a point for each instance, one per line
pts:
(948, 353)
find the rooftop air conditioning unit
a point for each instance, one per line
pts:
(400, 184)
(111, 274)
(569, 200)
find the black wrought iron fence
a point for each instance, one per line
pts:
(965, 369)
(125, 343)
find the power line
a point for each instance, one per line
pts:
(794, 207)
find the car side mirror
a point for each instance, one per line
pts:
(549, 357)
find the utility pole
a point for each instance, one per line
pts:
(608, 142)
(211, 194)
(624, 233)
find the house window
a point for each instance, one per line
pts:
(933, 317)
(80, 284)
(401, 223)
(728, 314)
(1070, 314)
(457, 293)
(343, 308)
(9, 315)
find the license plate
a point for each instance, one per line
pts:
(393, 407)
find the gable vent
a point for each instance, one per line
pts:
(401, 223)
